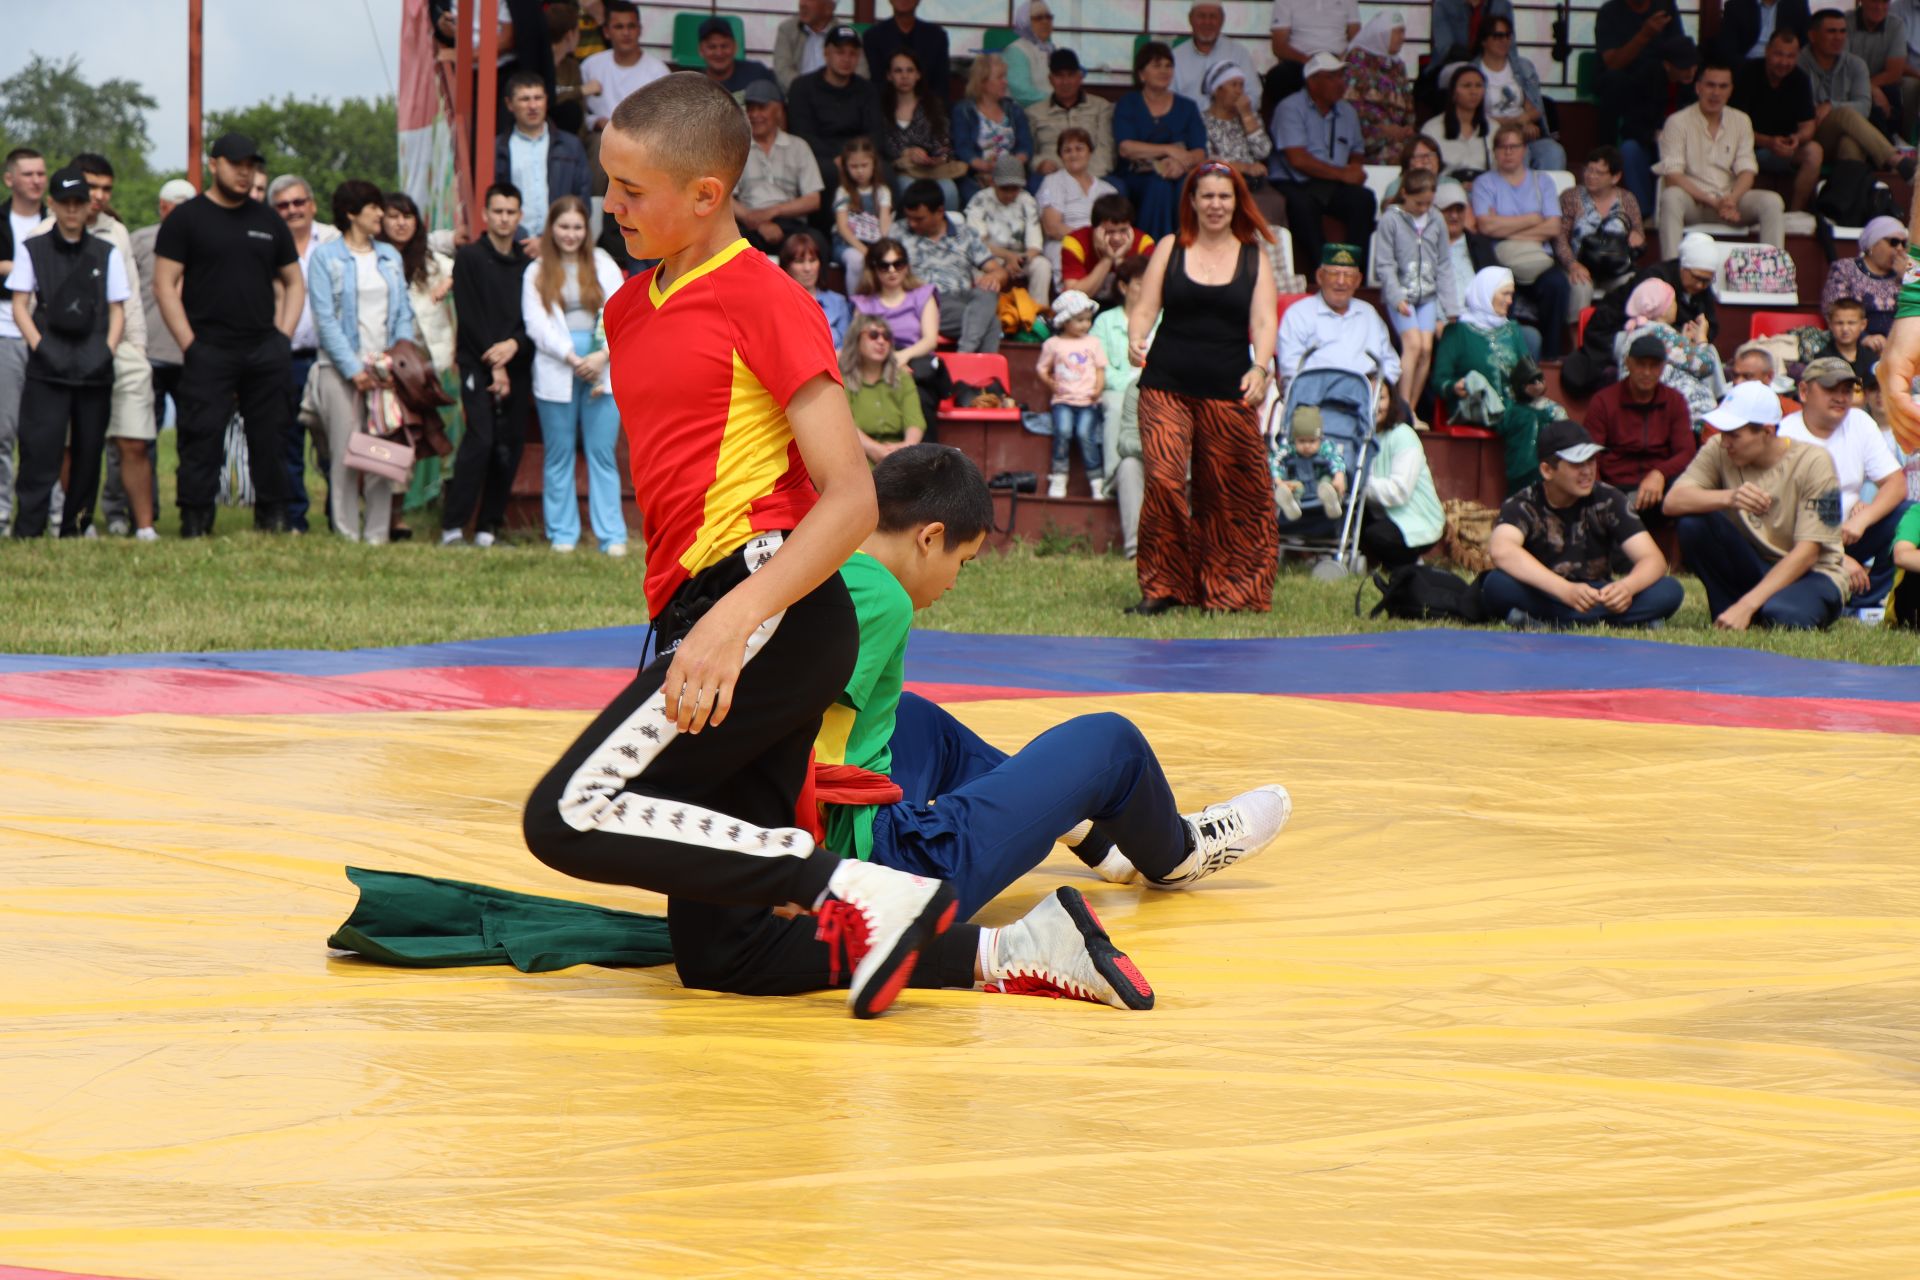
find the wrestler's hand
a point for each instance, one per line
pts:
(700, 680)
(1899, 362)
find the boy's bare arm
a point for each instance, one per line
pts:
(700, 682)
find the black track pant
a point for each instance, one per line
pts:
(49, 411)
(214, 378)
(489, 455)
(708, 819)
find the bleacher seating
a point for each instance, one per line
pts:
(1765, 324)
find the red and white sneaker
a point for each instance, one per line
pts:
(879, 919)
(1059, 949)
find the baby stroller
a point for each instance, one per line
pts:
(1345, 400)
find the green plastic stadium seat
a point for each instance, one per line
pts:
(1586, 76)
(686, 37)
(994, 39)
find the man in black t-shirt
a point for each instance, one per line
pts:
(1777, 95)
(216, 260)
(1647, 61)
(1557, 539)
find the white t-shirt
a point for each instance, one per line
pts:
(1059, 190)
(370, 306)
(23, 225)
(1316, 26)
(22, 279)
(304, 337)
(1504, 99)
(1858, 451)
(616, 81)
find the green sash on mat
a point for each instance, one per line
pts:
(423, 922)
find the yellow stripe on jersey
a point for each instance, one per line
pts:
(714, 263)
(752, 459)
(836, 726)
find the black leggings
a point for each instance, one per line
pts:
(708, 819)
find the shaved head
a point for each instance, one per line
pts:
(690, 126)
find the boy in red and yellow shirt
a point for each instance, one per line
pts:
(753, 492)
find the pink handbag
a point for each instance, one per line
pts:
(377, 453)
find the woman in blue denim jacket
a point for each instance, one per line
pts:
(987, 124)
(357, 287)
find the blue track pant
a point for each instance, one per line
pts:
(980, 819)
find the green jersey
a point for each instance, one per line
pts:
(859, 726)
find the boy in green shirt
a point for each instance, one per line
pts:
(905, 785)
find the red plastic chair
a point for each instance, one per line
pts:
(1766, 324)
(1454, 431)
(978, 368)
(1580, 328)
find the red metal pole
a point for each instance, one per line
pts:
(463, 96)
(194, 139)
(485, 112)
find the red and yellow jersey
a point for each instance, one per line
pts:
(702, 372)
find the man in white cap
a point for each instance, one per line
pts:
(1760, 520)
(1192, 59)
(1860, 454)
(1556, 541)
(1708, 165)
(1317, 165)
(1301, 29)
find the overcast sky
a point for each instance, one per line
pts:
(255, 49)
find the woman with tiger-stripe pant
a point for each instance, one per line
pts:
(1197, 404)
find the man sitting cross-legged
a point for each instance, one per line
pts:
(1554, 546)
(905, 785)
(1760, 520)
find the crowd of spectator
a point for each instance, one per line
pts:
(925, 194)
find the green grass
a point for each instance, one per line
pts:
(242, 590)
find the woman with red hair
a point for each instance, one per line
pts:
(1199, 397)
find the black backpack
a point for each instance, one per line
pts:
(1422, 593)
(1851, 197)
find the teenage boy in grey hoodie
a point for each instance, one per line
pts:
(1417, 286)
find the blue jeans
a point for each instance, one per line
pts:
(1874, 551)
(1637, 160)
(1728, 567)
(1545, 153)
(980, 819)
(597, 422)
(1502, 593)
(1081, 422)
(296, 442)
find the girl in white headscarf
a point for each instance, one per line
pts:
(1378, 87)
(1028, 55)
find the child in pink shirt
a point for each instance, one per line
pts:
(1074, 368)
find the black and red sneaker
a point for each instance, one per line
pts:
(878, 919)
(1059, 949)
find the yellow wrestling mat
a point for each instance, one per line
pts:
(1511, 997)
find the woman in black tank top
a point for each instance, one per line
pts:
(1211, 287)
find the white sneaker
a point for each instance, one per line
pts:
(1223, 834)
(483, 539)
(1099, 489)
(119, 526)
(618, 550)
(1059, 949)
(879, 919)
(562, 548)
(1057, 485)
(1283, 497)
(453, 538)
(148, 534)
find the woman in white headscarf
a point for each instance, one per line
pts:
(1027, 56)
(1484, 340)
(1378, 87)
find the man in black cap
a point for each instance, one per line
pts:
(926, 41)
(830, 106)
(1070, 106)
(69, 294)
(1557, 539)
(719, 52)
(215, 264)
(1646, 429)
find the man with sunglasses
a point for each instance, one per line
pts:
(292, 199)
